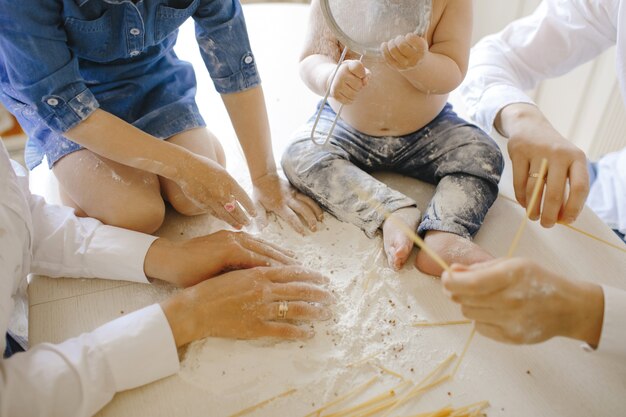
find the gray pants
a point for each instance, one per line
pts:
(462, 160)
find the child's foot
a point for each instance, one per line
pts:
(397, 244)
(452, 249)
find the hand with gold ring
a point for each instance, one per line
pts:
(531, 139)
(274, 302)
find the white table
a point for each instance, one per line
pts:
(552, 379)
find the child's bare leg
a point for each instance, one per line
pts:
(202, 142)
(452, 249)
(110, 192)
(397, 244)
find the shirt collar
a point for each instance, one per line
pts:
(82, 2)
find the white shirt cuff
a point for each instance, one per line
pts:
(494, 99)
(613, 338)
(116, 253)
(139, 347)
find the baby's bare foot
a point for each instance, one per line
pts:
(397, 244)
(452, 249)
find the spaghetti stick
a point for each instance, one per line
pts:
(404, 228)
(365, 359)
(439, 413)
(344, 397)
(440, 323)
(389, 371)
(372, 402)
(577, 230)
(263, 403)
(569, 226)
(415, 392)
(531, 205)
(467, 344)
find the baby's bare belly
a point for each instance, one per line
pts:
(390, 106)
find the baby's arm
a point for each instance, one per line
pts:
(319, 59)
(442, 67)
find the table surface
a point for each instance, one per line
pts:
(552, 379)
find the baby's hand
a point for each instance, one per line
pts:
(351, 77)
(404, 52)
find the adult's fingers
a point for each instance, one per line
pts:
(530, 188)
(578, 191)
(493, 332)
(243, 198)
(301, 291)
(221, 213)
(554, 194)
(480, 282)
(264, 247)
(319, 213)
(297, 311)
(294, 273)
(288, 331)
(305, 212)
(521, 167)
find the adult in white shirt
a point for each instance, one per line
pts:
(79, 376)
(556, 38)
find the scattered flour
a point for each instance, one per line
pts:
(369, 319)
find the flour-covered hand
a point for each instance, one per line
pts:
(208, 185)
(405, 52)
(517, 301)
(276, 195)
(188, 262)
(245, 305)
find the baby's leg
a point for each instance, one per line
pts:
(202, 142)
(466, 166)
(110, 192)
(330, 176)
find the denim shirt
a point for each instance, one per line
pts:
(62, 59)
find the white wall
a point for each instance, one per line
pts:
(584, 105)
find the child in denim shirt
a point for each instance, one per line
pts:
(397, 118)
(95, 85)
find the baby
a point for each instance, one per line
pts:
(397, 118)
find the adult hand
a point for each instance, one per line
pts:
(210, 187)
(404, 52)
(518, 301)
(532, 138)
(351, 77)
(189, 262)
(277, 195)
(245, 304)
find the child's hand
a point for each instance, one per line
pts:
(276, 195)
(206, 184)
(351, 77)
(404, 52)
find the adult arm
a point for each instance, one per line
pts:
(518, 301)
(556, 38)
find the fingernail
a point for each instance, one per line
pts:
(326, 315)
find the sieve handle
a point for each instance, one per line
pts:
(325, 100)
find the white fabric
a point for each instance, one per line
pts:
(607, 197)
(80, 375)
(559, 36)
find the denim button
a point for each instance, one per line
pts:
(248, 59)
(52, 101)
(135, 31)
(134, 53)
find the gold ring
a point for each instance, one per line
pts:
(533, 175)
(283, 308)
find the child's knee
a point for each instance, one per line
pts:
(142, 215)
(299, 158)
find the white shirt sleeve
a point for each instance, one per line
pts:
(557, 37)
(613, 338)
(67, 246)
(79, 376)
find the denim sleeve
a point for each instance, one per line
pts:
(37, 67)
(224, 45)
